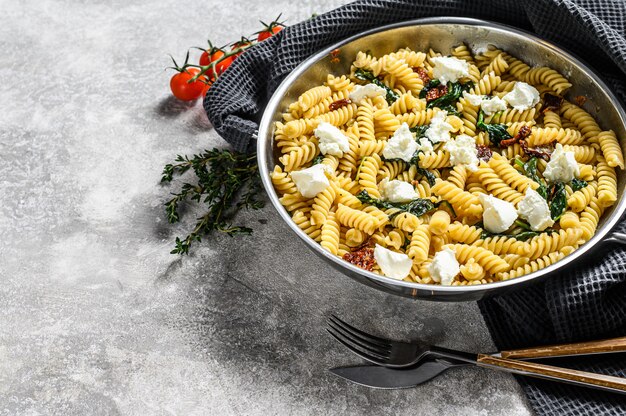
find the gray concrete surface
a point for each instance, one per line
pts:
(96, 317)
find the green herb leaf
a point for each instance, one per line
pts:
(417, 207)
(225, 182)
(496, 132)
(368, 76)
(578, 184)
(447, 101)
(558, 201)
(318, 159)
(433, 83)
(420, 131)
(447, 205)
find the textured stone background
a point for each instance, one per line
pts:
(95, 316)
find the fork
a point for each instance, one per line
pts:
(402, 355)
(398, 354)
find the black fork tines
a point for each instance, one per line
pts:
(374, 340)
(369, 356)
(366, 346)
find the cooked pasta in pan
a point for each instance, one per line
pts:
(455, 170)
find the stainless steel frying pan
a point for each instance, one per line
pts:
(442, 34)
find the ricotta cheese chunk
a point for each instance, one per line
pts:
(535, 210)
(444, 267)
(332, 141)
(473, 99)
(463, 151)
(397, 191)
(562, 166)
(401, 145)
(439, 129)
(392, 264)
(447, 68)
(493, 105)
(522, 97)
(311, 181)
(498, 214)
(361, 92)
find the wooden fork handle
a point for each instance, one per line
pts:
(582, 378)
(579, 348)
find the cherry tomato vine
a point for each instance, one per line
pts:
(192, 81)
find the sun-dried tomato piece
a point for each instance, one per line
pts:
(338, 104)
(434, 93)
(551, 102)
(363, 257)
(523, 132)
(580, 100)
(484, 152)
(422, 73)
(542, 152)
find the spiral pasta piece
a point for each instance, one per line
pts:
(322, 203)
(367, 175)
(607, 183)
(464, 203)
(434, 160)
(329, 237)
(463, 233)
(547, 243)
(611, 149)
(282, 182)
(439, 222)
(472, 270)
(532, 266)
(494, 185)
(489, 261)
(504, 245)
(549, 77)
(356, 219)
(578, 200)
(498, 66)
(301, 220)
(420, 243)
(313, 96)
(510, 175)
(551, 120)
(297, 158)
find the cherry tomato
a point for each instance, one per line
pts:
(215, 56)
(269, 32)
(184, 90)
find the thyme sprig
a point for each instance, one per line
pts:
(225, 181)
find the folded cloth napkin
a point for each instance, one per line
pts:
(582, 304)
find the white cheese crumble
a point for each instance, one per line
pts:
(392, 264)
(332, 141)
(397, 191)
(535, 210)
(311, 181)
(401, 145)
(493, 105)
(562, 166)
(425, 145)
(444, 267)
(473, 99)
(439, 129)
(522, 96)
(463, 151)
(361, 92)
(498, 214)
(447, 68)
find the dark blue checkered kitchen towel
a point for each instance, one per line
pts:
(585, 303)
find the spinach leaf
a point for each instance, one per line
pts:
(496, 132)
(447, 101)
(578, 184)
(430, 177)
(433, 83)
(417, 207)
(530, 169)
(558, 201)
(368, 76)
(318, 159)
(447, 205)
(420, 131)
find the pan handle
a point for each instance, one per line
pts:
(616, 237)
